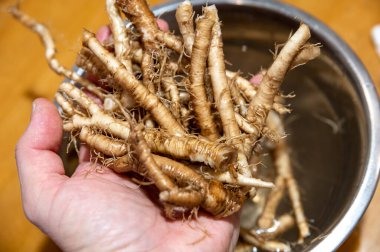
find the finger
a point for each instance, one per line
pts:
(84, 154)
(256, 79)
(103, 33)
(36, 157)
(162, 24)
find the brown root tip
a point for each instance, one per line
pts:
(164, 196)
(228, 156)
(221, 202)
(124, 164)
(175, 212)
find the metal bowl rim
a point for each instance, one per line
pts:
(367, 91)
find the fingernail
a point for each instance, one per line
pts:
(34, 105)
(103, 33)
(162, 24)
(34, 109)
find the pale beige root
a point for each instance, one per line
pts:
(184, 16)
(216, 67)
(219, 156)
(137, 58)
(281, 225)
(120, 35)
(108, 146)
(242, 180)
(221, 91)
(67, 106)
(182, 174)
(221, 202)
(295, 197)
(281, 109)
(143, 20)
(138, 91)
(170, 40)
(124, 164)
(246, 126)
(173, 212)
(267, 217)
(109, 104)
(147, 67)
(245, 86)
(285, 223)
(270, 134)
(216, 199)
(137, 55)
(284, 169)
(146, 160)
(170, 86)
(196, 86)
(249, 90)
(80, 97)
(307, 53)
(92, 65)
(270, 84)
(259, 242)
(182, 197)
(210, 195)
(99, 118)
(237, 97)
(149, 80)
(50, 51)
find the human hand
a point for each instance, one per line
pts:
(101, 211)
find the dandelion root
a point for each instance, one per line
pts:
(202, 121)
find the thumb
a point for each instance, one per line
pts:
(36, 157)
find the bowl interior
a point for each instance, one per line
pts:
(327, 131)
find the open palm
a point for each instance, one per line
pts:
(97, 209)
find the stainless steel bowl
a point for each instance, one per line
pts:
(334, 129)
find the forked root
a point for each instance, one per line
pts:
(281, 225)
(267, 218)
(267, 245)
(47, 39)
(283, 164)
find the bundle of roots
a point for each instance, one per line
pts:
(164, 108)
